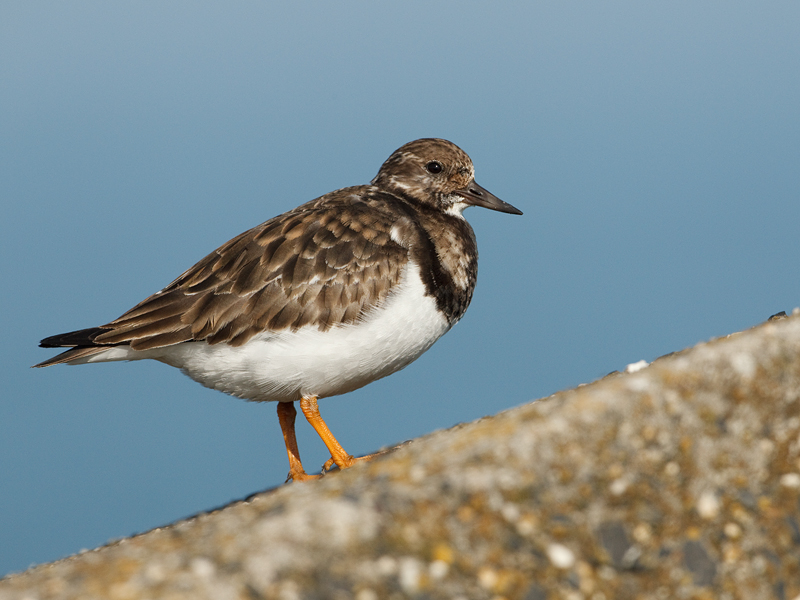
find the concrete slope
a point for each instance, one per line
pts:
(680, 480)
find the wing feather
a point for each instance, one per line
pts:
(324, 264)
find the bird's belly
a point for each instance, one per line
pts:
(286, 365)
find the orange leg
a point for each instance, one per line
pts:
(286, 417)
(338, 455)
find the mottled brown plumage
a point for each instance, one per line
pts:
(319, 301)
(324, 263)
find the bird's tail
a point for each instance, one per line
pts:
(80, 343)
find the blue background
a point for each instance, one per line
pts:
(654, 148)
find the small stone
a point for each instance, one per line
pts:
(642, 533)
(699, 563)
(637, 366)
(759, 564)
(155, 572)
(618, 486)
(616, 470)
(708, 506)
(202, 567)
(732, 530)
(409, 574)
(615, 541)
(510, 512)
(791, 480)
(386, 565)
(417, 473)
(607, 572)
(438, 569)
(487, 577)
(526, 526)
(366, 594)
(444, 553)
(744, 364)
(561, 556)
(731, 553)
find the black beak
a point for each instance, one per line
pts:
(477, 196)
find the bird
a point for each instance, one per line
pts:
(318, 301)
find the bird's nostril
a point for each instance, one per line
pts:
(476, 192)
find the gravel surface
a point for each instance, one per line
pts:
(678, 479)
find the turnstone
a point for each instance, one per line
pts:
(318, 301)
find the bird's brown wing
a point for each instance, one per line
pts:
(323, 264)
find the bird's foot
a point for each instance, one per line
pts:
(300, 475)
(348, 461)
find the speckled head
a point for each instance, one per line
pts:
(439, 173)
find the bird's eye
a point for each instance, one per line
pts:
(434, 167)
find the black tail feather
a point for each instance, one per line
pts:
(82, 337)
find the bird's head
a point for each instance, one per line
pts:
(439, 173)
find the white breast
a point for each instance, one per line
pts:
(287, 365)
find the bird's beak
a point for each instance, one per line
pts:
(475, 195)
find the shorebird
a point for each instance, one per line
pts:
(319, 301)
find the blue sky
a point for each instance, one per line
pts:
(653, 147)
